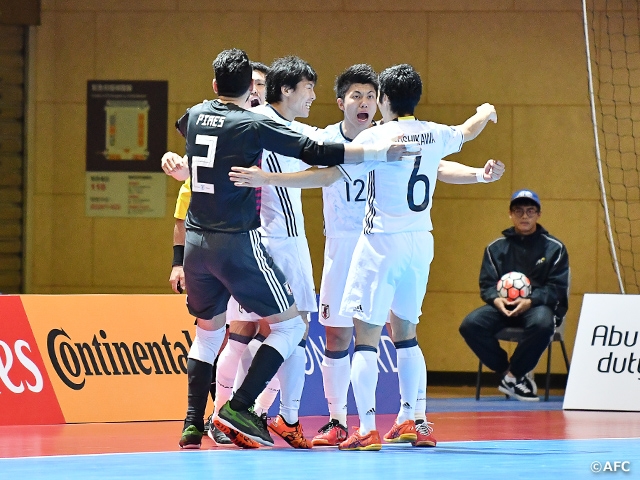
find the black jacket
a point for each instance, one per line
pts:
(540, 256)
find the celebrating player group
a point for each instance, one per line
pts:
(241, 252)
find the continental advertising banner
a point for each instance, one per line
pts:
(117, 358)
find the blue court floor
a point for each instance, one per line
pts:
(510, 459)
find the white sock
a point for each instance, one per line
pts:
(421, 403)
(226, 372)
(409, 372)
(364, 379)
(291, 375)
(511, 378)
(206, 345)
(336, 377)
(245, 362)
(268, 396)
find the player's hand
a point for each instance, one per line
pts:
(521, 306)
(402, 151)
(501, 304)
(493, 170)
(176, 279)
(489, 111)
(248, 177)
(175, 166)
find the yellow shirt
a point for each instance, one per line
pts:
(182, 202)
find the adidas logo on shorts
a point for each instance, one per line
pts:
(358, 309)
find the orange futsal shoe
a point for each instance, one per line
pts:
(424, 431)
(291, 434)
(403, 433)
(370, 441)
(332, 434)
(238, 439)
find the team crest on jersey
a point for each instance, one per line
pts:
(324, 310)
(287, 287)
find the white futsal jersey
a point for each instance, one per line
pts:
(395, 250)
(281, 207)
(387, 211)
(343, 202)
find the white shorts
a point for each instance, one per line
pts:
(291, 255)
(389, 271)
(236, 312)
(338, 253)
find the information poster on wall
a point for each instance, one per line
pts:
(126, 138)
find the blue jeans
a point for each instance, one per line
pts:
(479, 327)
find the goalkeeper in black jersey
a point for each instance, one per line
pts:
(223, 253)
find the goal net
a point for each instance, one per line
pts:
(612, 37)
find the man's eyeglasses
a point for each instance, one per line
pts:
(529, 212)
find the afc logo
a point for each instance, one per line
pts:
(6, 363)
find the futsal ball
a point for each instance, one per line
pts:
(513, 285)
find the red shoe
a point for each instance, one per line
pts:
(238, 439)
(332, 434)
(370, 441)
(291, 434)
(424, 431)
(403, 433)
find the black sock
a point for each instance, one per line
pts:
(212, 388)
(199, 378)
(264, 366)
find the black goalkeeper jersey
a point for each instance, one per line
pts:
(222, 135)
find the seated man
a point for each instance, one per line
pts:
(527, 248)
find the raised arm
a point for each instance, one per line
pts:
(311, 178)
(454, 172)
(472, 127)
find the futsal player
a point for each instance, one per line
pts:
(389, 270)
(239, 333)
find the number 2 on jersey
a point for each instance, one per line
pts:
(413, 180)
(207, 162)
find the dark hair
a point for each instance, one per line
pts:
(260, 67)
(232, 72)
(359, 73)
(403, 86)
(287, 72)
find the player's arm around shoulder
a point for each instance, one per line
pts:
(310, 178)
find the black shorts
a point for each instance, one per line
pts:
(218, 265)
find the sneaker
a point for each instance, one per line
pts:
(534, 387)
(506, 386)
(424, 435)
(191, 437)
(245, 422)
(523, 390)
(207, 424)
(332, 434)
(291, 434)
(237, 438)
(370, 441)
(403, 433)
(217, 436)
